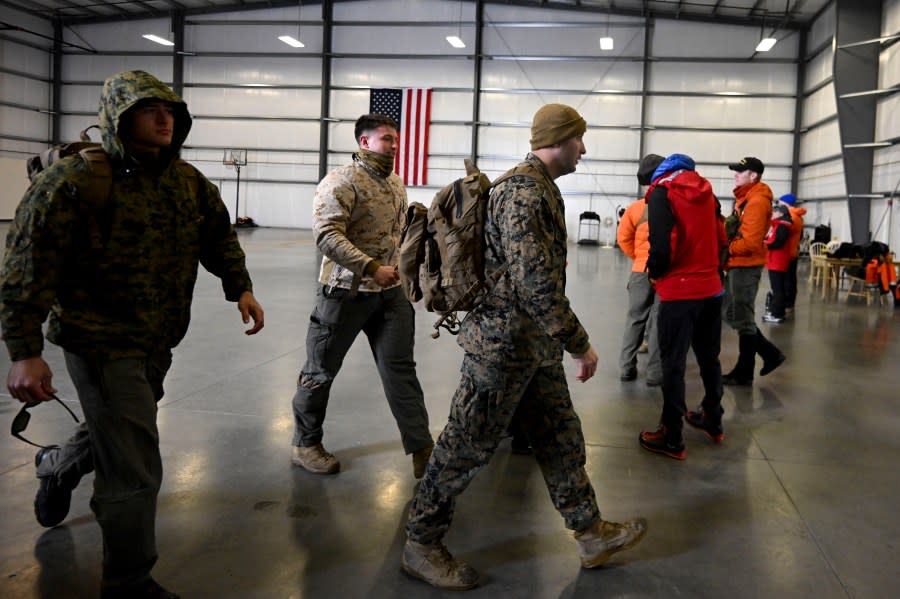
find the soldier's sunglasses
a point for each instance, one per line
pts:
(20, 422)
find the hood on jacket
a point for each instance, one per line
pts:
(674, 162)
(647, 167)
(121, 92)
(781, 213)
(799, 211)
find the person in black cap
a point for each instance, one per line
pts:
(746, 228)
(633, 237)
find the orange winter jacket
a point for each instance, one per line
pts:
(754, 205)
(796, 230)
(634, 235)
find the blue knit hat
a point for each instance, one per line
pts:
(788, 198)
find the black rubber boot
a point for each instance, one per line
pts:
(771, 355)
(742, 373)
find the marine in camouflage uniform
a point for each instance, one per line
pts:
(117, 308)
(514, 342)
(359, 212)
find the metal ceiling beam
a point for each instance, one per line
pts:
(37, 10)
(86, 9)
(644, 11)
(753, 8)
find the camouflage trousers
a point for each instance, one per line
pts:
(480, 413)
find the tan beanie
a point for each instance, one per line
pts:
(554, 123)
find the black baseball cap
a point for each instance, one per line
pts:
(748, 163)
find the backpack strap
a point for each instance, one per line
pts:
(517, 171)
(190, 173)
(97, 192)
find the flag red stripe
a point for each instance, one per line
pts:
(425, 140)
(417, 133)
(407, 136)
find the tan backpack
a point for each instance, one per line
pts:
(442, 248)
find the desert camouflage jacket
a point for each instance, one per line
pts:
(358, 216)
(133, 295)
(527, 318)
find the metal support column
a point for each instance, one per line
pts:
(476, 83)
(178, 55)
(325, 107)
(855, 70)
(56, 89)
(798, 114)
(645, 84)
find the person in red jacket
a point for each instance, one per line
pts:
(797, 213)
(686, 235)
(747, 227)
(778, 262)
(633, 238)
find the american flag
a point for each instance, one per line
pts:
(411, 108)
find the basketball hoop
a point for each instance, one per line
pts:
(234, 159)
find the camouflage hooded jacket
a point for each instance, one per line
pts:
(133, 295)
(527, 318)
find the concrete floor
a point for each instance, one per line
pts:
(800, 500)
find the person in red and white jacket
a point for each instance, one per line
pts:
(778, 262)
(686, 236)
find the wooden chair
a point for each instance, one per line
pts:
(860, 288)
(818, 267)
(857, 288)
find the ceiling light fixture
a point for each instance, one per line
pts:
(159, 40)
(291, 40)
(606, 42)
(766, 44)
(456, 40)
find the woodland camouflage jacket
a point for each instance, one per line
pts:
(132, 296)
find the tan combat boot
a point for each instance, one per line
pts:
(435, 565)
(420, 460)
(315, 459)
(598, 542)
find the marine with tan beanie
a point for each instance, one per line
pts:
(514, 343)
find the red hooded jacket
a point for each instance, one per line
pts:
(686, 235)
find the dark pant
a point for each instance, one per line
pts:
(387, 320)
(790, 285)
(778, 280)
(119, 441)
(695, 324)
(484, 403)
(738, 307)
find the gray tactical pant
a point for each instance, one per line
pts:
(387, 320)
(119, 441)
(484, 403)
(643, 306)
(738, 309)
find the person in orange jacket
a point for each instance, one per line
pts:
(746, 228)
(633, 238)
(796, 213)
